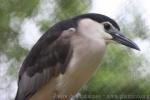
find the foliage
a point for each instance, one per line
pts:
(64, 9)
(8, 10)
(132, 21)
(67, 8)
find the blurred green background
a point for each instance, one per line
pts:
(120, 77)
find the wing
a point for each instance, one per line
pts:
(47, 59)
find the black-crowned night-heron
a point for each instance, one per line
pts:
(66, 56)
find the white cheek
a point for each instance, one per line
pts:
(103, 34)
(92, 29)
(107, 36)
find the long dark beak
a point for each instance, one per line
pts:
(123, 40)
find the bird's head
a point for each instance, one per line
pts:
(108, 29)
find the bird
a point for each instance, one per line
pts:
(65, 57)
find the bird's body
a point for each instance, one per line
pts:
(87, 54)
(65, 57)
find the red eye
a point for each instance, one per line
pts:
(107, 26)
